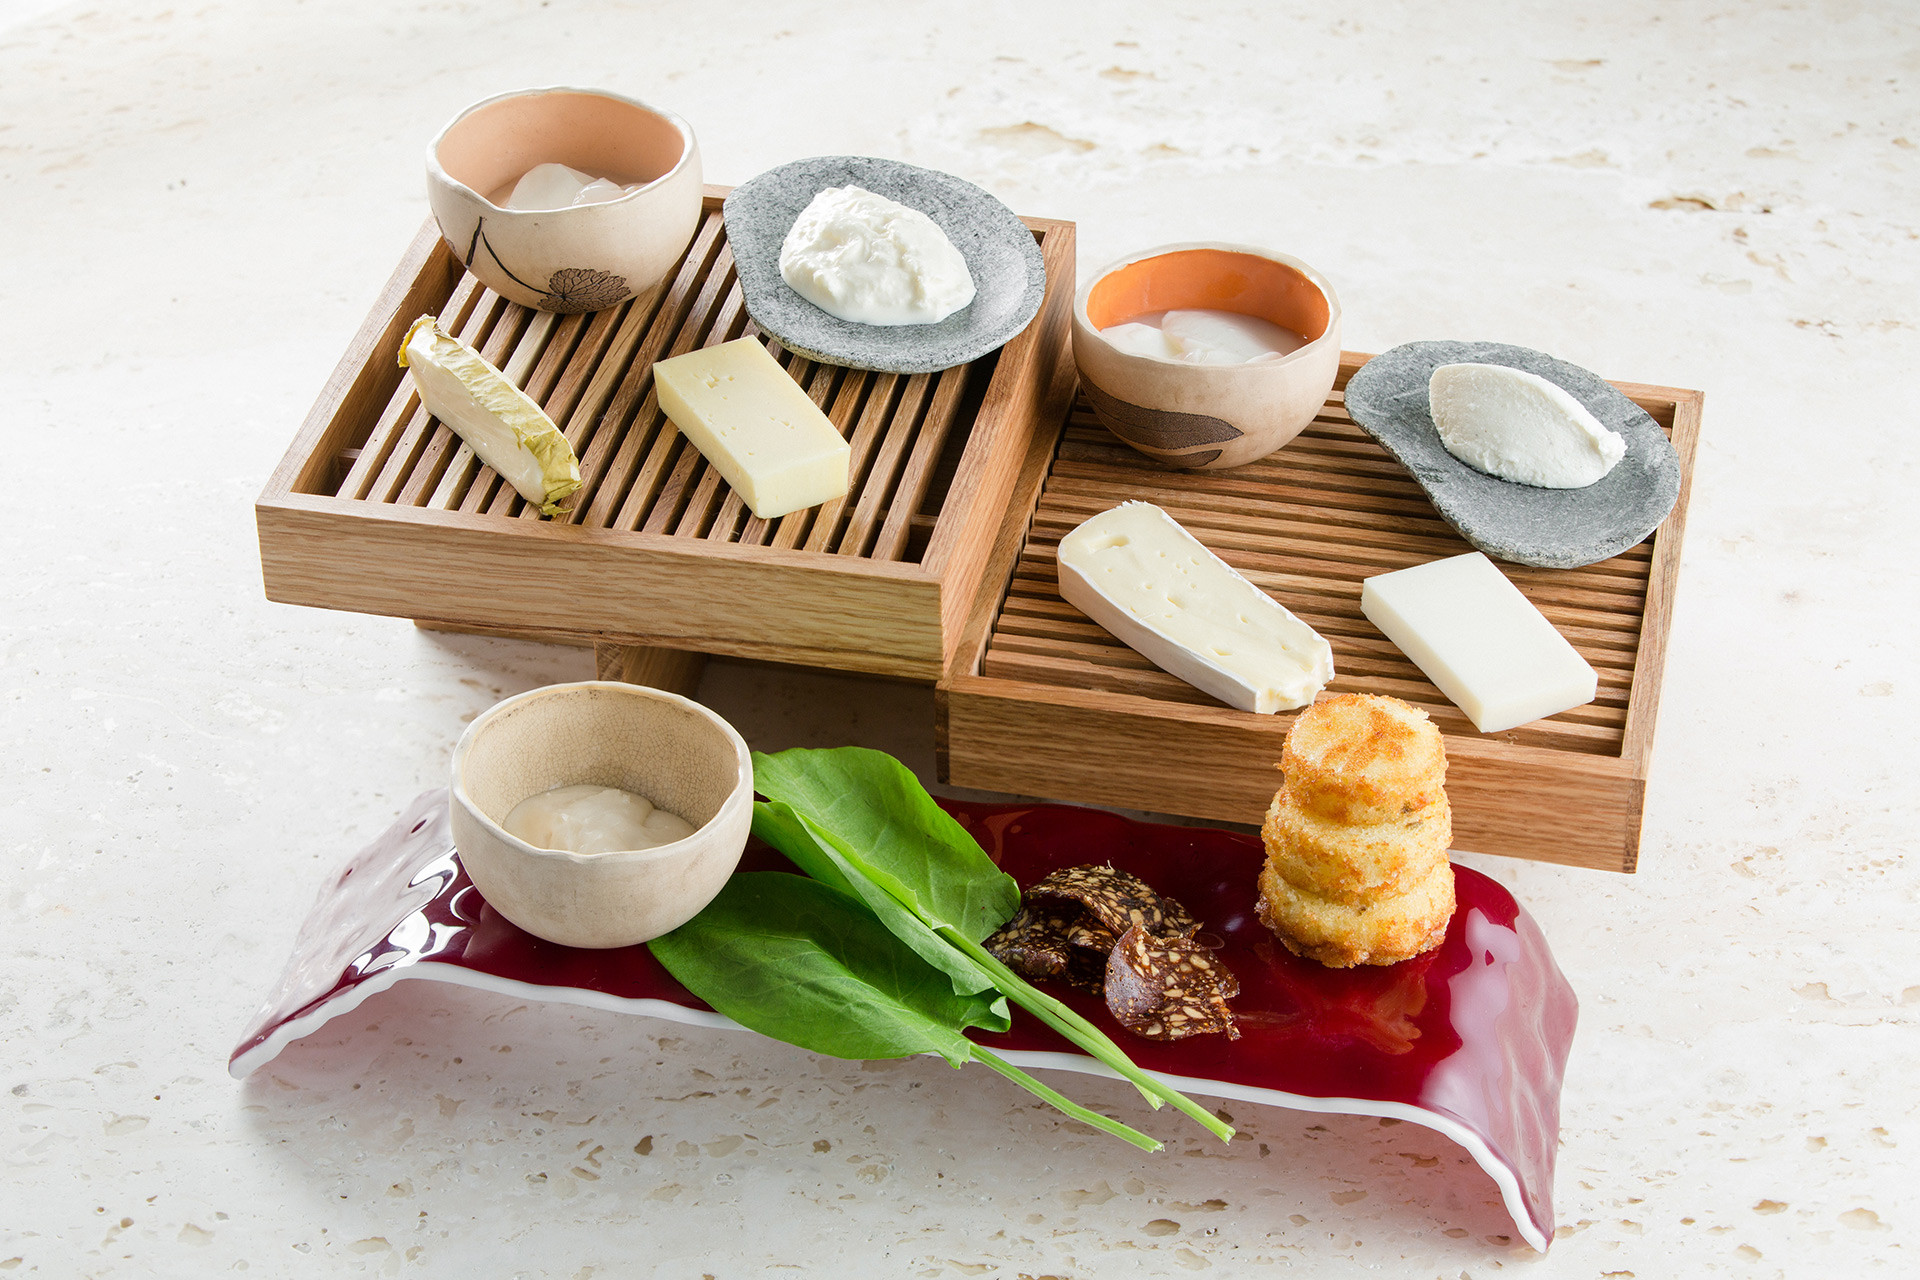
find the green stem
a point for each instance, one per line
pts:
(1064, 1103)
(1083, 1033)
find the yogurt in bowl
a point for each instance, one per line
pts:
(673, 754)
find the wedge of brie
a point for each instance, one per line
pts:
(1138, 573)
(1518, 426)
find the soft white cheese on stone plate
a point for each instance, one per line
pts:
(1518, 426)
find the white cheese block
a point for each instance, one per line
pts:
(1518, 426)
(1137, 573)
(755, 425)
(1481, 641)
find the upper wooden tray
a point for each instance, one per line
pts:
(379, 508)
(1042, 701)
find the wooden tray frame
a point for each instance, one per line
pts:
(1516, 794)
(496, 569)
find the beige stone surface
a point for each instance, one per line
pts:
(197, 205)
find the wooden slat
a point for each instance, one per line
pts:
(404, 402)
(876, 486)
(419, 427)
(928, 445)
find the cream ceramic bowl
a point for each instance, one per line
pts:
(673, 751)
(1195, 416)
(575, 259)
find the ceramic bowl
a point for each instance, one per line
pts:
(673, 751)
(1194, 416)
(576, 259)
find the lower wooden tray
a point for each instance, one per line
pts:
(379, 508)
(1041, 701)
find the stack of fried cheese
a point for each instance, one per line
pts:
(1357, 838)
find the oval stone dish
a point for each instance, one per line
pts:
(1549, 528)
(675, 752)
(1009, 278)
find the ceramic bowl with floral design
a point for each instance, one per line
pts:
(1207, 416)
(584, 257)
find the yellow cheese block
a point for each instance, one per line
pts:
(755, 425)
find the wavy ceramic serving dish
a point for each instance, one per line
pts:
(1469, 1040)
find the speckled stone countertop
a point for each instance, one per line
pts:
(198, 204)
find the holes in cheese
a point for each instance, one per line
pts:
(755, 425)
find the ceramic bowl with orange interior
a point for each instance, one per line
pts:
(1207, 416)
(583, 257)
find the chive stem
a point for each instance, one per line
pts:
(1065, 1104)
(1083, 1033)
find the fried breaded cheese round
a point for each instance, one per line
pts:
(1362, 758)
(1353, 862)
(1387, 930)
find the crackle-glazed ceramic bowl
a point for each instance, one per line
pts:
(675, 752)
(582, 258)
(1201, 416)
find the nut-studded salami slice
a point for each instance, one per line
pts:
(1033, 943)
(1047, 940)
(1116, 899)
(1168, 988)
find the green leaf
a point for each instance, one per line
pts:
(805, 963)
(885, 824)
(802, 962)
(869, 826)
(826, 859)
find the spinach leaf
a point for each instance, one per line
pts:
(800, 961)
(826, 859)
(886, 825)
(864, 822)
(805, 963)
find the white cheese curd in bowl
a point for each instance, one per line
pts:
(868, 259)
(1203, 336)
(589, 819)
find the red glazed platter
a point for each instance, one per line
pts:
(1470, 1040)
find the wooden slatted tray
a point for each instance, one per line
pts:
(379, 508)
(1042, 701)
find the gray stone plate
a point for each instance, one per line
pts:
(1009, 278)
(1552, 528)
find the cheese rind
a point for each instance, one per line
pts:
(1479, 640)
(1518, 426)
(755, 425)
(1135, 571)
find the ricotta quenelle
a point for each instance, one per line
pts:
(1480, 641)
(1520, 427)
(871, 260)
(590, 819)
(1135, 571)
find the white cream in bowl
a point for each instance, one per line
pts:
(670, 752)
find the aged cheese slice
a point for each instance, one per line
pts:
(1479, 640)
(1137, 573)
(1518, 426)
(755, 425)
